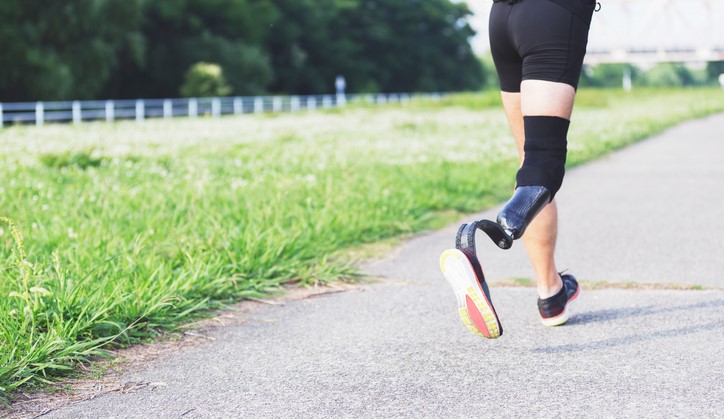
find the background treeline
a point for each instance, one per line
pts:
(659, 75)
(97, 49)
(85, 49)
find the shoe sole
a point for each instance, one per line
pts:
(563, 317)
(474, 308)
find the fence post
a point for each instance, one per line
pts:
(167, 109)
(140, 110)
(238, 107)
(627, 85)
(193, 107)
(258, 105)
(216, 107)
(39, 114)
(76, 112)
(2, 118)
(311, 103)
(326, 102)
(340, 85)
(277, 104)
(109, 111)
(294, 104)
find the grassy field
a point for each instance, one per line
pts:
(124, 230)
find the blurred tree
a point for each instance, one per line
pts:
(78, 49)
(180, 33)
(489, 72)
(388, 45)
(608, 75)
(62, 49)
(204, 80)
(414, 45)
(660, 75)
(667, 75)
(309, 45)
(713, 70)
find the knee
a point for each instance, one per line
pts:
(545, 152)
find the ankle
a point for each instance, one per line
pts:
(550, 287)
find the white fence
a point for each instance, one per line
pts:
(39, 113)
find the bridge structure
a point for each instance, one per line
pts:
(641, 32)
(646, 32)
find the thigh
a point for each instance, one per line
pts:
(508, 64)
(547, 98)
(514, 114)
(551, 41)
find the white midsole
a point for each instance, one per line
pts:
(459, 274)
(563, 317)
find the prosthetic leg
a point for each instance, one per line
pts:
(526, 203)
(538, 180)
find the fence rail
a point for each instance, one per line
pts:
(39, 113)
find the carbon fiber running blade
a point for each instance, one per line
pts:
(496, 234)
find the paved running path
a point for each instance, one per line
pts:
(650, 213)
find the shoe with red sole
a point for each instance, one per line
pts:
(475, 308)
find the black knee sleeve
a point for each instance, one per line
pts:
(545, 152)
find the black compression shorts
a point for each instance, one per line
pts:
(539, 40)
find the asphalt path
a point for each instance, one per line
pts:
(649, 214)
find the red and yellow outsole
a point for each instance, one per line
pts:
(474, 309)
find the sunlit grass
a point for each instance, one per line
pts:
(135, 228)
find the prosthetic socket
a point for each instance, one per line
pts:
(541, 175)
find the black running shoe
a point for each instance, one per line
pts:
(554, 310)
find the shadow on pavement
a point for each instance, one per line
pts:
(629, 340)
(622, 313)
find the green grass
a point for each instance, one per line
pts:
(131, 229)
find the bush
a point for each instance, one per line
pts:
(82, 160)
(205, 80)
(607, 75)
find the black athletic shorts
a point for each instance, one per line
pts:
(539, 40)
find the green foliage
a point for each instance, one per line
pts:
(491, 76)
(81, 160)
(205, 80)
(607, 75)
(713, 70)
(379, 45)
(663, 75)
(65, 49)
(660, 75)
(79, 49)
(181, 33)
(412, 45)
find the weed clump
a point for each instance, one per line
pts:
(80, 160)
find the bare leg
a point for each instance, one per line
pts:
(540, 98)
